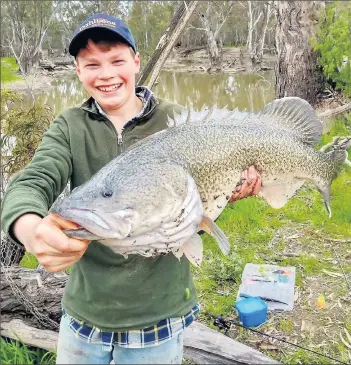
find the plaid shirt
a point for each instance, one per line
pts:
(142, 93)
(146, 337)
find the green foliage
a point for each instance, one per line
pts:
(26, 125)
(333, 42)
(8, 97)
(14, 352)
(29, 261)
(8, 70)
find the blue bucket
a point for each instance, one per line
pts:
(252, 311)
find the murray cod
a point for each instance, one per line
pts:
(156, 196)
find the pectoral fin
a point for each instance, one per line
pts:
(210, 227)
(193, 250)
(178, 252)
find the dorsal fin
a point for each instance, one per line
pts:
(209, 114)
(188, 118)
(212, 115)
(295, 114)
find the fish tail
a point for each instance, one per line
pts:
(339, 155)
(337, 159)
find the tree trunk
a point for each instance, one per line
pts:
(256, 53)
(296, 70)
(35, 296)
(213, 52)
(167, 41)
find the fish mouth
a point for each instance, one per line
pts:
(105, 225)
(90, 220)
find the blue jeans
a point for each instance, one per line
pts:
(71, 349)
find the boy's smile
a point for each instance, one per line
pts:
(107, 72)
(109, 88)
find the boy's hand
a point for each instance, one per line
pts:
(45, 240)
(250, 185)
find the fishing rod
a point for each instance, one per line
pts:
(222, 323)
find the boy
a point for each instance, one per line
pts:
(131, 310)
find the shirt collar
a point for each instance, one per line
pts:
(143, 93)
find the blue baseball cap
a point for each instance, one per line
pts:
(101, 26)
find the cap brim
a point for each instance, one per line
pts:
(78, 40)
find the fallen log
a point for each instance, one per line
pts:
(326, 116)
(18, 330)
(186, 52)
(334, 112)
(32, 295)
(64, 62)
(206, 346)
(47, 65)
(30, 312)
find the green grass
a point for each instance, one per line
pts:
(258, 235)
(8, 70)
(14, 352)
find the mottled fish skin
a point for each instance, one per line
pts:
(150, 181)
(216, 155)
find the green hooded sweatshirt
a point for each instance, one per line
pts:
(104, 289)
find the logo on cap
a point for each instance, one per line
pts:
(98, 22)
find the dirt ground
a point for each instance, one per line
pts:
(234, 60)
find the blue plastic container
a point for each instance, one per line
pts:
(252, 311)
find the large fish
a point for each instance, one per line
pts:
(156, 196)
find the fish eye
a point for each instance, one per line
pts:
(107, 193)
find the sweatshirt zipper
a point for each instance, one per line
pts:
(120, 140)
(119, 136)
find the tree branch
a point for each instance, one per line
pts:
(167, 42)
(231, 4)
(44, 28)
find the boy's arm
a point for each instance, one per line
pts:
(31, 193)
(35, 188)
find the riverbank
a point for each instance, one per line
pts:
(234, 61)
(38, 81)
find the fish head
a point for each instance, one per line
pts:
(95, 207)
(118, 204)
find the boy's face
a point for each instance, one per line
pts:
(107, 73)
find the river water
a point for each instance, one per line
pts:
(246, 91)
